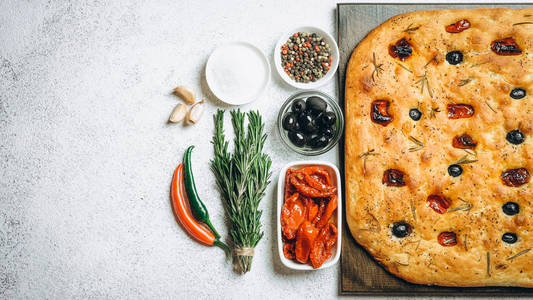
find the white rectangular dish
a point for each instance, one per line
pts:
(336, 179)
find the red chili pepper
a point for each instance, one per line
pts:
(185, 217)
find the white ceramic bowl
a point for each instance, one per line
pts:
(223, 85)
(336, 179)
(334, 58)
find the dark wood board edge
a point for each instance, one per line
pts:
(405, 288)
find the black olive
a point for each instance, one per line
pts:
(415, 114)
(317, 142)
(509, 237)
(290, 122)
(298, 105)
(454, 57)
(402, 49)
(307, 123)
(328, 132)
(518, 93)
(515, 137)
(455, 170)
(511, 208)
(327, 119)
(401, 229)
(316, 105)
(297, 138)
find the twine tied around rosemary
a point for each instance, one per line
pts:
(244, 251)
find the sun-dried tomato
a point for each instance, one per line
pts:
(458, 26)
(515, 177)
(464, 141)
(402, 49)
(324, 242)
(505, 47)
(288, 249)
(393, 177)
(304, 241)
(298, 181)
(321, 209)
(312, 209)
(330, 208)
(293, 213)
(438, 203)
(316, 170)
(380, 112)
(447, 239)
(460, 111)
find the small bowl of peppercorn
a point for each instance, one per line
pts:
(310, 122)
(306, 57)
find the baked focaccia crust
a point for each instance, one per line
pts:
(382, 136)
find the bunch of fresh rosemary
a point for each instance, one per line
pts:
(242, 178)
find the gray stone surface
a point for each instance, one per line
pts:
(86, 155)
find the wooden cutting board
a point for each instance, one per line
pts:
(360, 274)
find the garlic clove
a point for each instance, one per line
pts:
(185, 93)
(195, 113)
(178, 114)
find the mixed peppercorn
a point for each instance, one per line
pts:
(305, 57)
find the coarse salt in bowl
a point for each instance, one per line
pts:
(237, 73)
(334, 58)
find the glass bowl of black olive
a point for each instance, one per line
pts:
(310, 122)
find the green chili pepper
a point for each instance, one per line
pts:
(198, 208)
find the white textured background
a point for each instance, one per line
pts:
(86, 156)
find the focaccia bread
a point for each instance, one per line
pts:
(439, 146)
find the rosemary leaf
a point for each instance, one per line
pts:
(431, 60)
(490, 106)
(424, 82)
(464, 160)
(433, 111)
(411, 29)
(465, 81)
(471, 152)
(377, 67)
(466, 207)
(242, 178)
(369, 152)
(519, 254)
(404, 67)
(479, 64)
(415, 140)
(488, 263)
(413, 208)
(523, 23)
(418, 144)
